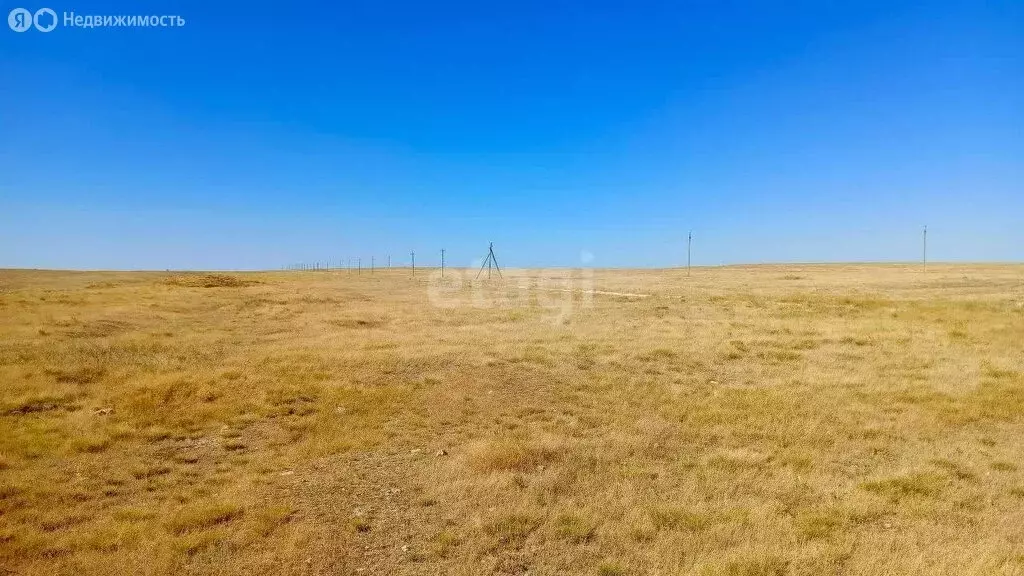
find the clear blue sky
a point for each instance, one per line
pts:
(261, 134)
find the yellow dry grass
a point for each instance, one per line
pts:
(745, 421)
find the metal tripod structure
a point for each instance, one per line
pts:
(488, 261)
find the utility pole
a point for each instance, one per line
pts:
(442, 262)
(413, 254)
(389, 261)
(689, 242)
(371, 263)
(924, 249)
(359, 265)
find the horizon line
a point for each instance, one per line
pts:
(820, 263)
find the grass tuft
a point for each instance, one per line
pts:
(901, 487)
(203, 517)
(679, 519)
(513, 455)
(575, 529)
(511, 527)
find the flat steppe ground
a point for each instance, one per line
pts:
(747, 420)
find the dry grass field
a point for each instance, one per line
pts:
(760, 420)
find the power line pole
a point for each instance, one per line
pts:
(689, 242)
(413, 254)
(359, 265)
(371, 263)
(442, 262)
(924, 249)
(389, 261)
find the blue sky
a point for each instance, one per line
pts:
(264, 134)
